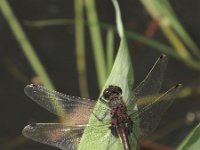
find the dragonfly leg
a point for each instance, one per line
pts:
(100, 118)
(103, 100)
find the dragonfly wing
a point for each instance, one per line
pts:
(78, 109)
(152, 83)
(55, 134)
(150, 115)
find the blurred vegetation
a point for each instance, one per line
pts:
(182, 47)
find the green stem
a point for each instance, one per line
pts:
(97, 43)
(80, 47)
(110, 48)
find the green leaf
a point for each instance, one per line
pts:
(192, 141)
(98, 136)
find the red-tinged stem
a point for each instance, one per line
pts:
(149, 32)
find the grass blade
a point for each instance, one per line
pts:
(98, 137)
(192, 141)
(80, 48)
(27, 47)
(162, 11)
(25, 43)
(96, 41)
(110, 48)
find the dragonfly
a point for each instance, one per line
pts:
(151, 105)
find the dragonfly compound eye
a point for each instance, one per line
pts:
(107, 93)
(119, 89)
(111, 90)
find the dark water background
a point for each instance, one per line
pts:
(55, 47)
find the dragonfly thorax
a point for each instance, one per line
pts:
(119, 115)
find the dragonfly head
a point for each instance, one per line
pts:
(112, 91)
